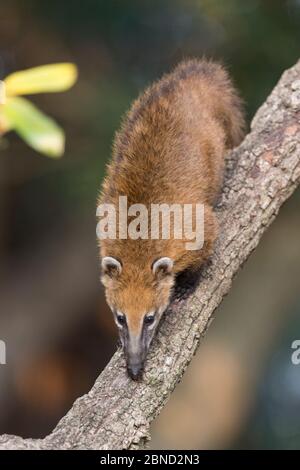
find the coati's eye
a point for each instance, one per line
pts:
(149, 319)
(121, 319)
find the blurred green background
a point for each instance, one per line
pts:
(241, 390)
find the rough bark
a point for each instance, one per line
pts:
(261, 174)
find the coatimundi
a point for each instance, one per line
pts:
(170, 150)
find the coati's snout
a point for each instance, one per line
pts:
(136, 343)
(137, 299)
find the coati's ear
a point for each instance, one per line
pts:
(111, 266)
(162, 266)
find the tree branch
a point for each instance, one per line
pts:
(261, 174)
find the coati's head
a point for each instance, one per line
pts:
(137, 296)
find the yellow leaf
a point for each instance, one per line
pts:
(38, 130)
(2, 93)
(47, 78)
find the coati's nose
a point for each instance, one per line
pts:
(135, 371)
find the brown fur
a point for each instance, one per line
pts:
(170, 149)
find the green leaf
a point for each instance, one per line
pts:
(37, 129)
(47, 78)
(4, 123)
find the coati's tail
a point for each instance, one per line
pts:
(227, 105)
